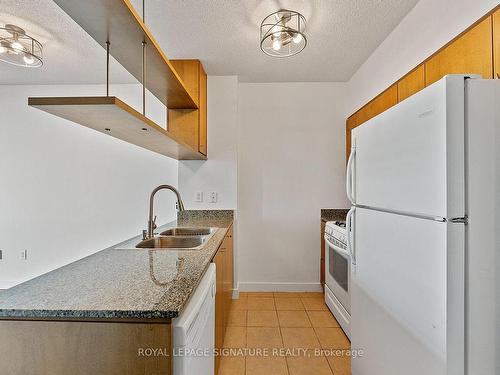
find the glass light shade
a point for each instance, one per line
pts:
(282, 33)
(18, 48)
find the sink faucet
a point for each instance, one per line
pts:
(152, 221)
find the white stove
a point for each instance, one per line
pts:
(336, 232)
(338, 273)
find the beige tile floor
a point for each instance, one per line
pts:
(280, 323)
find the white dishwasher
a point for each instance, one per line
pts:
(194, 330)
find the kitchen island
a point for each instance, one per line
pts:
(108, 313)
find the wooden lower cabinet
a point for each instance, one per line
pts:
(224, 284)
(83, 348)
(227, 244)
(322, 256)
(219, 261)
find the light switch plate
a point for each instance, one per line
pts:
(213, 197)
(199, 196)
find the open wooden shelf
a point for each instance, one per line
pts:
(124, 122)
(116, 21)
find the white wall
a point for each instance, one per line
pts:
(426, 28)
(218, 173)
(285, 142)
(290, 165)
(67, 191)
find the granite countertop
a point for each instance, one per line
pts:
(331, 214)
(120, 282)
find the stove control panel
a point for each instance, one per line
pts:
(336, 233)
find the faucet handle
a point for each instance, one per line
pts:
(154, 223)
(144, 234)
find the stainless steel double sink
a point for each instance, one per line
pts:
(185, 238)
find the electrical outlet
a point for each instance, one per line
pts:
(199, 196)
(24, 255)
(213, 197)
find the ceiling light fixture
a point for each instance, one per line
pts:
(18, 48)
(282, 33)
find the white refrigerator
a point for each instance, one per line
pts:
(424, 182)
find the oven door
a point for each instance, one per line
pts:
(338, 273)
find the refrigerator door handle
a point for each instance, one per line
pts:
(349, 176)
(459, 220)
(349, 239)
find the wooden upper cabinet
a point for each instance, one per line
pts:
(190, 125)
(188, 71)
(472, 52)
(411, 83)
(347, 144)
(384, 101)
(352, 121)
(350, 124)
(378, 105)
(202, 105)
(496, 42)
(184, 124)
(476, 51)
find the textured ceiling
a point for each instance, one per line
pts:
(70, 55)
(223, 34)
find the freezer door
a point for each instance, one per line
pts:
(411, 157)
(407, 295)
